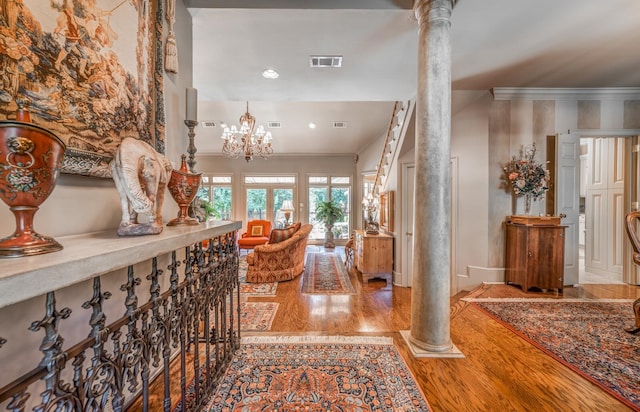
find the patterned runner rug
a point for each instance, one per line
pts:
(253, 289)
(257, 316)
(588, 337)
(325, 274)
(317, 373)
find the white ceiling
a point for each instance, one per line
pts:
(495, 43)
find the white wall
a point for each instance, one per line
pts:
(470, 146)
(485, 134)
(523, 118)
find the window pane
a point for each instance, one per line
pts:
(341, 197)
(205, 179)
(222, 203)
(270, 179)
(203, 193)
(279, 197)
(338, 180)
(316, 195)
(317, 180)
(221, 179)
(256, 204)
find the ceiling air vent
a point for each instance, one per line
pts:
(274, 125)
(325, 61)
(208, 123)
(339, 125)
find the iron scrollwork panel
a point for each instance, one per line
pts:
(195, 321)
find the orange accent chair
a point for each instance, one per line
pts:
(257, 233)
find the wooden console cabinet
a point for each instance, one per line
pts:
(535, 255)
(374, 256)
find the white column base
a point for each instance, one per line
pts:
(417, 352)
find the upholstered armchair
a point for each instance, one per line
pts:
(281, 261)
(257, 233)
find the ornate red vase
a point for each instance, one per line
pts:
(183, 187)
(30, 161)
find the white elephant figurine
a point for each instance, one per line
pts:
(141, 175)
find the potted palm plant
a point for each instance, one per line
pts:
(328, 213)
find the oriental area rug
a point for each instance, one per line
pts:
(325, 274)
(317, 373)
(257, 316)
(586, 336)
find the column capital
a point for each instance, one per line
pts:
(433, 10)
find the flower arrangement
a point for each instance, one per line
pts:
(526, 175)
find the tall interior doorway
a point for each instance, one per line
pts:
(608, 179)
(407, 225)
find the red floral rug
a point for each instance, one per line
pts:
(317, 373)
(325, 274)
(588, 337)
(257, 316)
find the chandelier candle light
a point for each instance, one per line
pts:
(244, 141)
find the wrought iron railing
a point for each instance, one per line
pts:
(194, 323)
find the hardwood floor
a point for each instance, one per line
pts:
(500, 371)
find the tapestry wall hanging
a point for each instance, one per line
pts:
(90, 71)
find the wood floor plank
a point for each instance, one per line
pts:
(500, 371)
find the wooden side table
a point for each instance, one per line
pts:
(535, 255)
(374, 256)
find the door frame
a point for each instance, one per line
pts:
(407, 255)
(631, 272)
(564, 199)
(269, 187)
(407, 197)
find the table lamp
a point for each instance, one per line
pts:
(287, 209)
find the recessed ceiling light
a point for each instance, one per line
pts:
(312, 125)
(270, 74)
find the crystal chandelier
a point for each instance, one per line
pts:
(244, 141)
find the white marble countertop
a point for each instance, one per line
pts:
(91, 254)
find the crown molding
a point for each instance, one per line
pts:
(543, 93)
(605, 132)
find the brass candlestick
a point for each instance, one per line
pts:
(191, 149)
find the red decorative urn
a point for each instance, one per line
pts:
(183, 187)
(30, 161)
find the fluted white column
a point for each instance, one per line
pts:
(430, 325)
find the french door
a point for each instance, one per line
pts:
(265, 203)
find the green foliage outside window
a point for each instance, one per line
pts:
(222, 202)
(256, 203)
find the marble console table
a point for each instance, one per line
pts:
(92, 254)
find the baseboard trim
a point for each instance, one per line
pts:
(486, 274)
